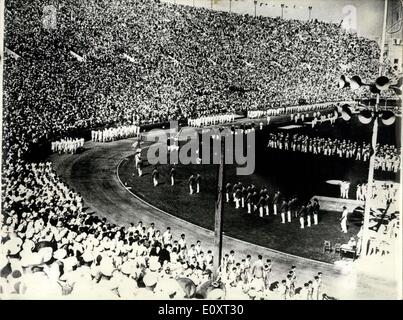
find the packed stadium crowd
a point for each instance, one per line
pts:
(387, 156)
(102, 64)
(51, 246)
(145, 62)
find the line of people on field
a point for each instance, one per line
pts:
(387, 156)
(67, 145)
(319, 145)
(211, 120)
(261, 202)
(317, 117)
(113, 134)
(303, 110)
(194, 181)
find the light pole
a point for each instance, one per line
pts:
(366, 117)
(310, 12)
(211, 3)
(255, 3)
(282, 9)
(230, 3)
(367, 210)
(219, 213)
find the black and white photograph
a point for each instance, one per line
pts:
(203, 150)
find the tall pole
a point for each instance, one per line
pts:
(230, 4)
(218, 214)
(310, 12)
(282, 8)
(368, 199)
(211, 3)
(255, 2)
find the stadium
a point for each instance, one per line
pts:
(125, 126)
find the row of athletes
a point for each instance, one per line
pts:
(261, 202)
(253, 114)
(211, 120)
(318, 117)
(67, 145)
(254, 201)
(194, 181)
(318, 145)
(113, 134)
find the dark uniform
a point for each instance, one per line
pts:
(261, 204)
(309, 213)
(244, 195)
(302, 215)
(140, 167)
(249, 202)
(255, 198)
(238, 196)
(315, 210)
(290, 209)
(228, 188)
(267, 204)
(284, 210)
(276, 202)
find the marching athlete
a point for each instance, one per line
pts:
(172, 175)
(191, 182)
(343, 220)
(155, 176)
(198, 180)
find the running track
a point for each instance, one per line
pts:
(93, 173)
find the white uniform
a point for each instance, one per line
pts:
(343, 221)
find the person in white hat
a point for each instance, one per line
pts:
(343, 220)
(167, 236)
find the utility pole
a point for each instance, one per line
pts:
(219, 213)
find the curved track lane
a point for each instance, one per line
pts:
(93, 173)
